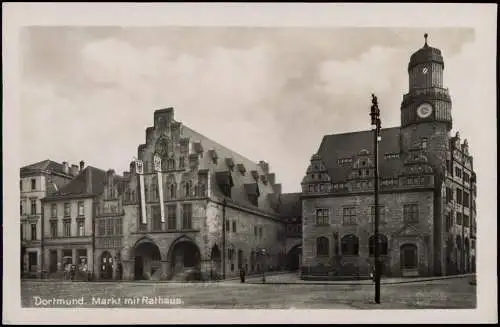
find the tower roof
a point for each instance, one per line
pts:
(426, 54)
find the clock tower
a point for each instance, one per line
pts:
(426, 108)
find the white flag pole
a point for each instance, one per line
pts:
(140, 171)
(157, 164)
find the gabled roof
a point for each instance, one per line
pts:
(78, 186)
(290, 205)
(347, 145)
(44, 165)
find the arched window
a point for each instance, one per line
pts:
(322, 246)
(382, 244)
(350, 245)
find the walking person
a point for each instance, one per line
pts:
(242, 274)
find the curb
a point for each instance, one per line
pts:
(363, 284)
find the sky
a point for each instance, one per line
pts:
(267, 93)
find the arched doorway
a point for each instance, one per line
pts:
(106, 266)
(146, 260)
(409, 260)
(215, 257)
(293, 258)
(185, 257)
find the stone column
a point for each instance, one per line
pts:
(128, 269)
(26, 261)
(165, 267)
(115, 268)
(206, 266)
(73, 256)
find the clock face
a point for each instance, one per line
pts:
(424, 110)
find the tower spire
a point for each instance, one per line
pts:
(425, 36)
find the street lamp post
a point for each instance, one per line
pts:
(376, 124)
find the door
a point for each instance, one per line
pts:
(139, 268)
(409, 260)
(53, 261)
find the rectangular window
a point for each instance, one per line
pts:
(21, 186)
(81, 208)
(171, 217)
(33, 184)
(156, 218)
(260, 232)
(459, 218)
(459, 196)
(53, 229)
(80, 227)
(228, 225)
(349, 216)
(234, 226)
(181, 163)
(466, 220)
(322, 217)
(101, 228)
(410, 212)
(67, 211)
(33, 207)
(458, 172)
(53, 210)
(109, 226)
(33, 232)
(67, 228)
(118, 226)
(381, 213)
(465, 199)
(466, 177)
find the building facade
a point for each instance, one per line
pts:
(37, 181)
(199, 210)
(427, 191)
(68, 224)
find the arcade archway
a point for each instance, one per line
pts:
(185, 257)
(146, 260)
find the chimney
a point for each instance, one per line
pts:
(65, 167)
(88, 180)
(264, 166)
(82, 165)
(74, 170)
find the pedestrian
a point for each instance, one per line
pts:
(242, 274)
(372, 274)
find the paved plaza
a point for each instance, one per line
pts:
(453, 293)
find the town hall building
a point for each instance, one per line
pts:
(427, 191)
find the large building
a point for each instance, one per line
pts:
(37, 181)
(197, 210)
(68, 223)
(427, 190)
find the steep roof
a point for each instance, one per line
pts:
(290, 205)
(44, 165)
(348, 145)
(78, 186)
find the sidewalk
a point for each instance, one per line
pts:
(293, 278)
